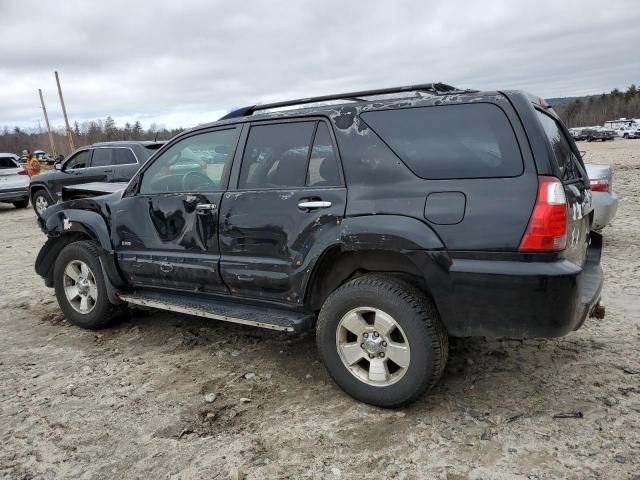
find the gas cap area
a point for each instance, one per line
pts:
(445, 208)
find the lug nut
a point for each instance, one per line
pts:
(381, 354)
(362, 346)
(384, 344)
(376, 334)
(371, 355)
(365, 335)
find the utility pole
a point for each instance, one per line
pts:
(46, 120)
(64, 112)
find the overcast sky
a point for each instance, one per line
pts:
(180, 63)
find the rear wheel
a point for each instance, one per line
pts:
(21, 204)
(80, 286)
(41, 201)
(626, 135)
(381, 340)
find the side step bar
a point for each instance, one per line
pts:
(264, 317)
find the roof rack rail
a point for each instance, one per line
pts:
(433, 88)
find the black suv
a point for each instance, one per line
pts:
(387, 219)
(100, 162)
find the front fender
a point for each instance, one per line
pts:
(65, 225)
(64, 221)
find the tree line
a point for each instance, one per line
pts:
(16, 139)
(597, 109)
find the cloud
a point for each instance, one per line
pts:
(183, 63)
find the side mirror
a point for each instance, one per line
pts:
(57, 166)
(583, 153)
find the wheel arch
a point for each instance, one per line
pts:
(65, 226)
(374, 243)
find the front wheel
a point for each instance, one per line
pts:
(381, 340)
(80, 286)
(41, 201)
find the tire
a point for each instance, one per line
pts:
(417, 324)
(626, 135)
(99, 312)
(39, 199)
(21, 203)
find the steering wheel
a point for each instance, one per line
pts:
(206, 181)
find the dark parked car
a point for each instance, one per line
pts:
(100, 162)
(593, 134)
(387, 224)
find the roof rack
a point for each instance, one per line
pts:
(433, 88)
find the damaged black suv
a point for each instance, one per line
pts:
(387, 220)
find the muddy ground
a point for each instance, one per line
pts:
(138, 408)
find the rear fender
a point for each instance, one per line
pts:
(375, 233)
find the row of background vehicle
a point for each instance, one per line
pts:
(623, 128)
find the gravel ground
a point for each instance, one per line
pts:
(137, 407)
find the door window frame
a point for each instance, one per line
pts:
(133, 189)
(234, 179)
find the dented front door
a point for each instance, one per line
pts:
(166, 232)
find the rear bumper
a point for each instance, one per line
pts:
(14, 194)
(605, 206)
(519, 299)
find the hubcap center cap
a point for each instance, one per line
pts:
(83, 286)
(373, 346)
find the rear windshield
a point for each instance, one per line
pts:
(451, 141)
(7, 162)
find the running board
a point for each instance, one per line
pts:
(264, 317)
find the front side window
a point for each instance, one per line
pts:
(450, 141)
(197, 163)
(79, 160)
(102, 157)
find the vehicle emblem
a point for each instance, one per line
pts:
(66, 224)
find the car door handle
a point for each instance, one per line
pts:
(206, 207)
(107, 171)
(313, 204)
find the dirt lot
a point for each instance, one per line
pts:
(138, 408)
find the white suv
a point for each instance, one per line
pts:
(629, 131)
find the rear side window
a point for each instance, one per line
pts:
(323, 164)
(560, 145)
(102, 157)
(276, 155)
(123, 156)
(451, 141)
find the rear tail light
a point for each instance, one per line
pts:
(547, 229)
(23, 172)
(600, 185)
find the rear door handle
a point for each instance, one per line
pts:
(107, 171)
(313, 204)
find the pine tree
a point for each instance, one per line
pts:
(137, 131)
(110, 129)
